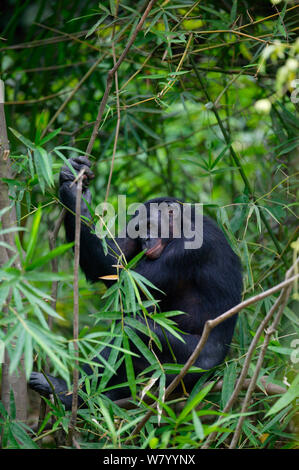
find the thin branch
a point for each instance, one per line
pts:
(38, 100)
(15, 382)
(73, 37)
(238, 33)
(236, 160)
(111, 74)
(118, 114)
(247, 362)
(73, 419)
(52, 243)
(42, 42)
(266, 387)
(54, 290)
(208, 327)
(280, 305)
(265, 18)
(63, 105)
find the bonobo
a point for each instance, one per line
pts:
(202, 282)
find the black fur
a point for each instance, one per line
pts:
(204, 283)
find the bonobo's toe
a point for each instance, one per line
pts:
(39, 383)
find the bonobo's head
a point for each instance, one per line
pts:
(158, 222)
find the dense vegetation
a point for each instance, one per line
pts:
(202, 107)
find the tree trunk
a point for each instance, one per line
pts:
(17, 381)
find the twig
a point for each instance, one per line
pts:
(73, 37)
(252, 347)
(280, 305)
(111, 74)
(55, 67)
(52, 244)
(268, 388)
(238, 33)
(237, 160)
(118, 113)
(54, 289)
(265, 18)
(63, 105)
(38, 100)
(208, 327)
(73, 419)
(42, 42)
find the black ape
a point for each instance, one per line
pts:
(203, 282)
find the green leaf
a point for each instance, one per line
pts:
(229, 379)
(138, 325)
(33, 235)
(108, 421)
(96, 25)
(129, 367)
(166, 323)
(28, 356)
(58, 251)
(198, 427)
(49, 137)
(22, 436)
(194, 402)
(32, 295)
(23, 139)
(45, 163)
(45, 341)
(17, 351)
(47, 276)
(147, 130)
(145, 351)
(107, 374)
(291, 394)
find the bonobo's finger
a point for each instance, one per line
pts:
(83, 160)
(66, 174)
(80, 166)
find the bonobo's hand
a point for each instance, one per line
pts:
(78, 163)
(68, 191)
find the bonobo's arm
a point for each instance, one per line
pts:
(93, 261)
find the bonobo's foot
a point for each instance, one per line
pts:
(78, 164)
(39, 383)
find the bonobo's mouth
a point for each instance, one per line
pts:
(156, 250)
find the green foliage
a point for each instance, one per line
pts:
(193, 64)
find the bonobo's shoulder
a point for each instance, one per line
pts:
(211, 225)
(213, 235)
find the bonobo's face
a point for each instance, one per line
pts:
(161, 222)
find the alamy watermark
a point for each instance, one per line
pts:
(166, 219)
